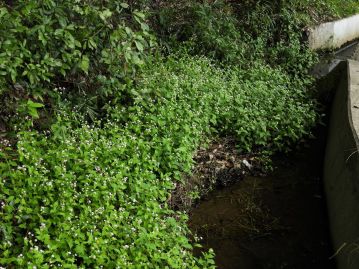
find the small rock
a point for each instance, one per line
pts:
(247, 164)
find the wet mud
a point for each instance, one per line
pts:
(278, 221)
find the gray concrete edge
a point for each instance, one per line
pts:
(341, 167)
(334, 34)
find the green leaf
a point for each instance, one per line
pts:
(139, 14)
(139, 45)
(124, 5)
(92, 44)
(32, 108)
(85, 63)
(105, 14)
(31, 104)
(33, 113)
(13, 75)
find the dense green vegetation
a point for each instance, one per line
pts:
(87, 50)
(105, 105)
(337, 8)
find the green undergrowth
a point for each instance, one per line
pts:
(88, 197)
(321, 11)
(89, 51)
(237, 33)
(103, 123)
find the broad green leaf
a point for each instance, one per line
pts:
(85, 63)
(33, 112)
(139, 14)
(32, 104)
(139, 45)
(105, 14)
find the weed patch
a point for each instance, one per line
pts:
(90, 188)
(90, 196)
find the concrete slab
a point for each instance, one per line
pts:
(341, 171)
(335, 34)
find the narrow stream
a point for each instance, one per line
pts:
(277, 221)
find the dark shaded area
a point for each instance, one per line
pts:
(277, 221)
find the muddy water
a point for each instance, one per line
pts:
(278, 221)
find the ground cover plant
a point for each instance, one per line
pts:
(103, 124)
(94, 196)
(319, 11)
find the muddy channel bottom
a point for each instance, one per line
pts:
(277, 221)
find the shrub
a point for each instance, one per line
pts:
(209, 29)
(237, 33)
(321, 11)
(88, 49)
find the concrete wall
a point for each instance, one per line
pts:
(341, 171)
(334, 34)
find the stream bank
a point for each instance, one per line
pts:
(274, 221)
